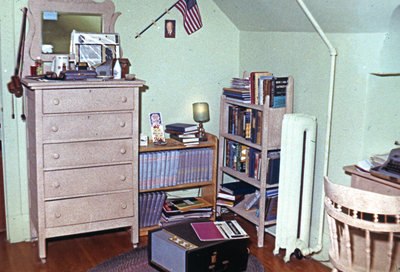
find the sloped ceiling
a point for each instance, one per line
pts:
(356, 16)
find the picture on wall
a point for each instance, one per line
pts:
(169, 29)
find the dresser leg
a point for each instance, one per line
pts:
(134, 235)
(42, 248)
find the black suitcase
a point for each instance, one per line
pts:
(177, 248)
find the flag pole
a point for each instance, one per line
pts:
(154, 21)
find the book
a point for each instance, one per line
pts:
(238, 188)
(190, 203)
(183, 140)
(252, 202)
(182, 127)
(228, 203)
(273, 167)
(272, 208)
(278, 92)
(230, 197)
(186, 133)
(218, 230)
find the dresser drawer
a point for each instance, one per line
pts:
(75, 182)
(87, 100)
(88, 209)
(87, 153)
(87, 126)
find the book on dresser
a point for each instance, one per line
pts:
(249, 146)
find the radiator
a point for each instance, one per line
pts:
(296, 179)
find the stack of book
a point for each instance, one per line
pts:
(186, 208)
(240, 90)
(238, 95)
(232, 193)
(184, 133)
(241, 83)
(251, 203)
(150, 207)
(228, 200)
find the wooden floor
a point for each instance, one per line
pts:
(80, 253)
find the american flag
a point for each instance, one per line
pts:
(191, 15)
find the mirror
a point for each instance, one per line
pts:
(100, 15)
(57, 28)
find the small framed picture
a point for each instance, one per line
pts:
(169, 29)
(157, 129)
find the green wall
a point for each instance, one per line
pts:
(194, 68)
(177, 71)
(364, 111)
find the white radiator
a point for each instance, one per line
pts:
(295, 183)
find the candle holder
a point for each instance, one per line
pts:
(201, 114)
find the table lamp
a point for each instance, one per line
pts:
(201, 115)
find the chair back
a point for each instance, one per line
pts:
(364, 229)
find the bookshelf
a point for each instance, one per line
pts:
(271, 126)
(208, 188)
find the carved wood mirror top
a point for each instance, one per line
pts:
(34, 39)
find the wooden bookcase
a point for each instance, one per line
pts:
(208, 188)
(271, 140)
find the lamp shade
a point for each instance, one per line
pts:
(201, 112)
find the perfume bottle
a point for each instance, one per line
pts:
(117, 69)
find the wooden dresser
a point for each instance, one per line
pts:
(82, 141)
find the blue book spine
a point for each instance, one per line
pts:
(145, 166)
(162, 172)
(210, 163)
(175, 167)
(167, 177)
(141, 161)
(150, 170)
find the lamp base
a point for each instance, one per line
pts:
(203, 139)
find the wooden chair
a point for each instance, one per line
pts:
(364, 229)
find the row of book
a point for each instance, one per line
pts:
(150, 207)
(246, 123)
(255, 89)
(249, 160)
(180, 209)
(175, 167)
(263, 84)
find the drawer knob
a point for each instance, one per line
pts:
(54, 128)
(124, 99)
(56, 156)
(122, 124)
(123, 150)
(124, 206)
(57, 215)
(122, 177)
(56, 101)
(56, 184)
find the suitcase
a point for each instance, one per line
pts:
(177, 248)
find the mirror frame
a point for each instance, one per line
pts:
(33, 43)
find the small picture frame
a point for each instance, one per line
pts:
(157, 129)
(169, 29)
